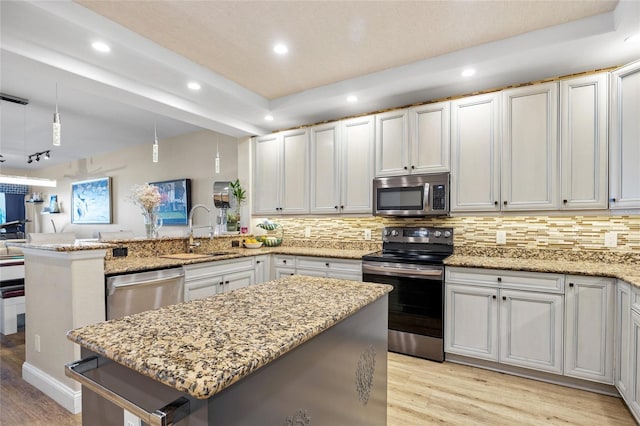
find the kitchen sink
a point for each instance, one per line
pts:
(193, 256)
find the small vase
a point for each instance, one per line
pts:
(152, 223)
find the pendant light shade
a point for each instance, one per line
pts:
(56, 122)
(154, 155)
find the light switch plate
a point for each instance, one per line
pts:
(501, 237)
(611, 239)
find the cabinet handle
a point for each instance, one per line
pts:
(495, 203)
(335, 207)
(327, 264)
(284, 261)
(499, 279)
(504, 202)
(570, 284)
(494, 297)
(341, 207)
(613, 200)
(504, 297)
(405, 167)
(565, 201)
(226, 282)
(221, 283)
(413, 167)
(257, 262)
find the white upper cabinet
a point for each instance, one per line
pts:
(392, 143)
(475, 153)
(583, 140)
(325, 168)
(624, 138)
(530, 174)
(430, 138)
(412, 141)
(280, 178)
(356, 170)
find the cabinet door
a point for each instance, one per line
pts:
(531, 330)
(262, 268)
(325, 168)
(471, 325)
(294, 192)
(622, 339)
(392, 143)
(530, 148)
(430, 138)
(266, 174)
(583, 138)
(238, 280)
(357, 165)
(202, 287)
(589, 328)
(634, 396)
(624, 137)
(475, 153)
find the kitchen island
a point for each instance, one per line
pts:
(282, 352)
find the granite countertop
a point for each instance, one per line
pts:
(203, 346)
(629, 272)
(135, 264)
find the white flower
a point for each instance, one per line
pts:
(146, 196)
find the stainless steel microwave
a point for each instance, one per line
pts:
(411, 195)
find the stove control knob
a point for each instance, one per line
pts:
(394, 233)
(447, 234)
(386, 232)
(437, 234)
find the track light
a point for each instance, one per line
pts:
(36, 156)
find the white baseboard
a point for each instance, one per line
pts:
(69, 398)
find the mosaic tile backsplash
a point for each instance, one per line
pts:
(524, 232)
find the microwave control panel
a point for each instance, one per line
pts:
(439, 197)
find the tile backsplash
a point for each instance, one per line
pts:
(528, 232)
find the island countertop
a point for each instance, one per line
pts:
(203, 346)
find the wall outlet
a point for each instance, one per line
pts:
(131, 419)
(307, 231)
(36, 342)
(611, 239)
(501, 237)
(367, 234)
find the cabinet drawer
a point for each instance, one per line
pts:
(286, 261)
(220, 267)
(520, 280)
(304, 262)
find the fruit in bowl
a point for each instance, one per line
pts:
(252, 243)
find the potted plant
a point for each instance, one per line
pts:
(240, 196)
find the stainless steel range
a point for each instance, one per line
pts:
(412, 261)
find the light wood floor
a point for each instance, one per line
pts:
(419, 393)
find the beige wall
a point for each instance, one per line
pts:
(188, 156)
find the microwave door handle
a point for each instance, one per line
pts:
(425, 207)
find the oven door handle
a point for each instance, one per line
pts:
(426, 206)
(401, 272)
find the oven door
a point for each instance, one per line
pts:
(416, 303)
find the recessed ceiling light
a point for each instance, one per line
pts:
(268, 117)
(635, 38)
(193, 85)
(352, 98)
(468, 72)
(281, 49)
(101, 46)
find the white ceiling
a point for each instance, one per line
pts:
(389, 54)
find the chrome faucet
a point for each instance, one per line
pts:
(192, 243)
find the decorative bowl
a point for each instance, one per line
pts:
(272, 241)
(253, 245)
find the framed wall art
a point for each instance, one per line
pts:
(91, 201)
(176, 201)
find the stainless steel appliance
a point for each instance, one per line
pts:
(412, 261)
(411, 195)
(221, 201)
(132, 293)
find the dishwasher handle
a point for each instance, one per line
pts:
(164, 416)
(158, 277)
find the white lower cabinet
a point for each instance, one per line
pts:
(329, 267)
(622, 339)
(283, 265)
(262, 268)
(510, 317)
(634, 397)
(209, 278)
(589, 310)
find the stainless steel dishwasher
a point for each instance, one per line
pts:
(132, 293)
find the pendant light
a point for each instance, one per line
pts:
(155, 143)
(56, 122)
